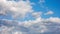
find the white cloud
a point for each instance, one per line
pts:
(54, 19)
(49, 13)
(18, 33)
(37, 26)
(36, 14)
(31, 22)
(33, 27)
(20, 9)
(42, 1)
(16, 9)
(2, 13)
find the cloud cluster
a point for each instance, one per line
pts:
(38, 26)
(19, 9)
(16, 9)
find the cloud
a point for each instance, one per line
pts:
(49, 13)
(21, 28)
(2, 13)
(38, 26)
(16, 9)
(18, 33)
(36, 14)
(42, 1)
(54, 19)
(20, 9)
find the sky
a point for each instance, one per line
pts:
(29, 16)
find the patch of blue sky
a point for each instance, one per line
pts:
(53, 5)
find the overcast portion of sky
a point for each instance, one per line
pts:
(29, 16)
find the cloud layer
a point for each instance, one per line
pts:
(38, 26)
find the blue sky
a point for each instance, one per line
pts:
(53, 5)
(29, 16)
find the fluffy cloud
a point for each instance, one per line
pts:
(38, 26)
(36, 14)
(18, 33)
(54, 19)
(20, 9)
(49, 12)
(16, 9)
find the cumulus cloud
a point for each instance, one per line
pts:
(25, 28)
(16, 9)
(54, 19)
(20, 9)
(36, 14)
(38, 26)
(49, 13)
